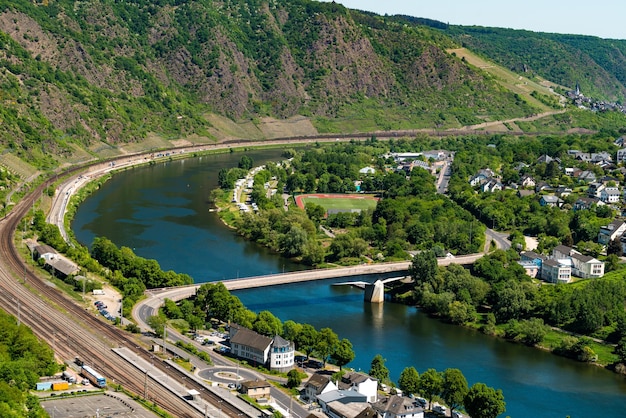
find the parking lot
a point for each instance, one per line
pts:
(103, 405)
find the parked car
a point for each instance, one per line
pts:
(420, 401)
(456, 414)
(440, 409)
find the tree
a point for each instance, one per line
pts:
(430, 384)
(326, 343)
(454, 388)
(291, 330)
(424, 267)
(267, 324)
(343, 353)
(307, 339)
(614, 247)
(293, 243)
(620, 350)
(408, 381)
(378, 370)
(482, 401)
(157, 323)
(293, 378)
(246, 162)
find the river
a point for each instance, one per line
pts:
(161, 212)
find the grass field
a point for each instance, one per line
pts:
(341, 202)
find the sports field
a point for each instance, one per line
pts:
(345, 202)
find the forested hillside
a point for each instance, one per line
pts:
(598, 65)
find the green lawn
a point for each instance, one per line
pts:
(344, 203)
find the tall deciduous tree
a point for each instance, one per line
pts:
(409, 381)
(424, 268)
(482, 401)
(307, 339)
(454, 388)
(343, 353)
(431, 384)
(326, 344)
(378, 370)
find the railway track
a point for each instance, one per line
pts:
(74, 331)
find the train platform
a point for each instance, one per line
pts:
(154, 376)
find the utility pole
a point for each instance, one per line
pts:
(145, 386)
(164, 336)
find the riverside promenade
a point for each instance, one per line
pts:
(156, 297)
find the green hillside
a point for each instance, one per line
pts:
(598, 65)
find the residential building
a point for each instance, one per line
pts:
(525, 193)
(361, 383)
(532, 263)
(542, 186)
(527, 181)
(274, 353)
(549, 200)
(398, 407)
(563, 191)
(482, 176)
(556, 271)
(257, 389)
(317, 385)
(621, 156)
(612, 231)
(329, 402)
(610, 195)
(585, 203)
(587, 176)
(582, 265)
(350, 410)
(587, 267)
(490, 186)
(530, 268)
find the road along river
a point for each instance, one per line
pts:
(161, 212)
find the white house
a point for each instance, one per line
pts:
(556, 271)
(274, 353)
(582, 265)
(360, 382)
(611, 231)
(317, 384)
(610, 195)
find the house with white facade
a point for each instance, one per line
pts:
(556, 271)
(360, 382)
(274, 353)
(398, 407)
(317, 384)
(481, 177)
(582, 265)
(612, 231)
(610, 195)
(527, 181)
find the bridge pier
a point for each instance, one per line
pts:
(375, 292)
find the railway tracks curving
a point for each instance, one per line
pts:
(72, 330)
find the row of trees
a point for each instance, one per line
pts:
(479, 401)
(214, 301)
